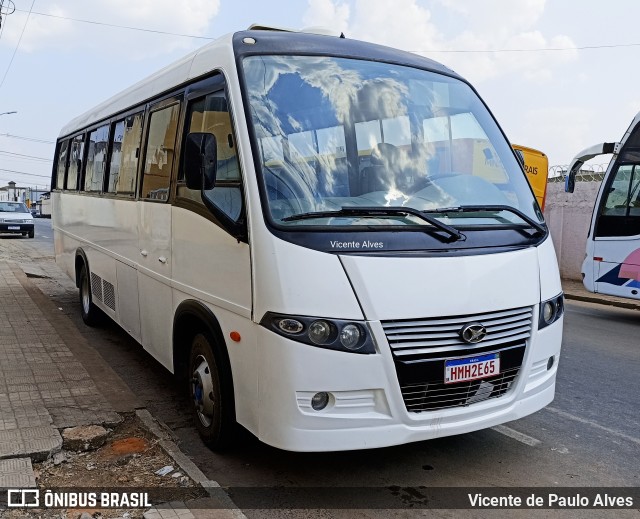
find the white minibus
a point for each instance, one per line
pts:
(612, 261)
(332, 242)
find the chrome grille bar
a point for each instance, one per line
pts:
(412, 337)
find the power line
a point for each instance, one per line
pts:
(17, 46)
(22, 155)
(541, 49)
(30, 139)
(24, 173)
(131, 28)
(168, 33)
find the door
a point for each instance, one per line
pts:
(617, 233)
(211, 256)
(154, 224)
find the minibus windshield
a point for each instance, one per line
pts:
(336, 133)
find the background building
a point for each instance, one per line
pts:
(27, 195)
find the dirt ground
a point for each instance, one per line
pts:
(126, 462)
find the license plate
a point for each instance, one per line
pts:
(471, 368)
(13, 227)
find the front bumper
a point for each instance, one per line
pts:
(367, 409)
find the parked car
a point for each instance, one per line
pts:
(15, 218)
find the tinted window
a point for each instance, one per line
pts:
(159, 153)
(96, 159)
(125, 152)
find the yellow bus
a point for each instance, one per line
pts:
(536, 166)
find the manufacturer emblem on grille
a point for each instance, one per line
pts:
(473, 333)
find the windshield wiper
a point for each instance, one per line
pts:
(491, 208)
(453, 233)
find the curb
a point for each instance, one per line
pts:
(600, 301)
(160, 431)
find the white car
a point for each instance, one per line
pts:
(15, 218)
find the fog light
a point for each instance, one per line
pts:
(290, 325)
(550, 363)
(319, 332)
(320, 401)
(350, 337)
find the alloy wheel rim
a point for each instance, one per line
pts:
(202, 391)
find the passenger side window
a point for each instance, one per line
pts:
(76, 156)
(620, 214)
(159, 152)
(125, 153)
(96, 159)
(210, 114)
(62, 164)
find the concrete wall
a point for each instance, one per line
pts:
(568, 216)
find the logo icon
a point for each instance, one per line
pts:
(23, 498)
(473, 333)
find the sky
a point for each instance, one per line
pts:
(558, 75)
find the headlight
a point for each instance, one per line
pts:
(550, 311)
(320, 332)
(350, 337)
(333, 334)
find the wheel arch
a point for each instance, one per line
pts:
(192, 317)
(80, 259)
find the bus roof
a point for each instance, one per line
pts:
(219, 52)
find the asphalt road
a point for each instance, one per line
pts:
(589, 436)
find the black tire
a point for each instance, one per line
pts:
(91, 314)
(32, 234)
(211, 394)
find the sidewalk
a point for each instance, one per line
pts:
(43, 388)
(51, 380)
(575, 290)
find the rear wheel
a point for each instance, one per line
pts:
(211, 394)
(32, 234)
(91, 314)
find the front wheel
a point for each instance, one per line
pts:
(211, 395)
(32, 234)
(91, 314)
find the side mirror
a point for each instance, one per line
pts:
(200, 161)
(570, 179)
(569, 183)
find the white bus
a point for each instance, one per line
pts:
(331, 241)
(612, 260)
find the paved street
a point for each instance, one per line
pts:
(587, 437)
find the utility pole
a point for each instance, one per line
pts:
(7, 7)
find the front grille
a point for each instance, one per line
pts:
(438, 335)
(420, 348)
(423, 387)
